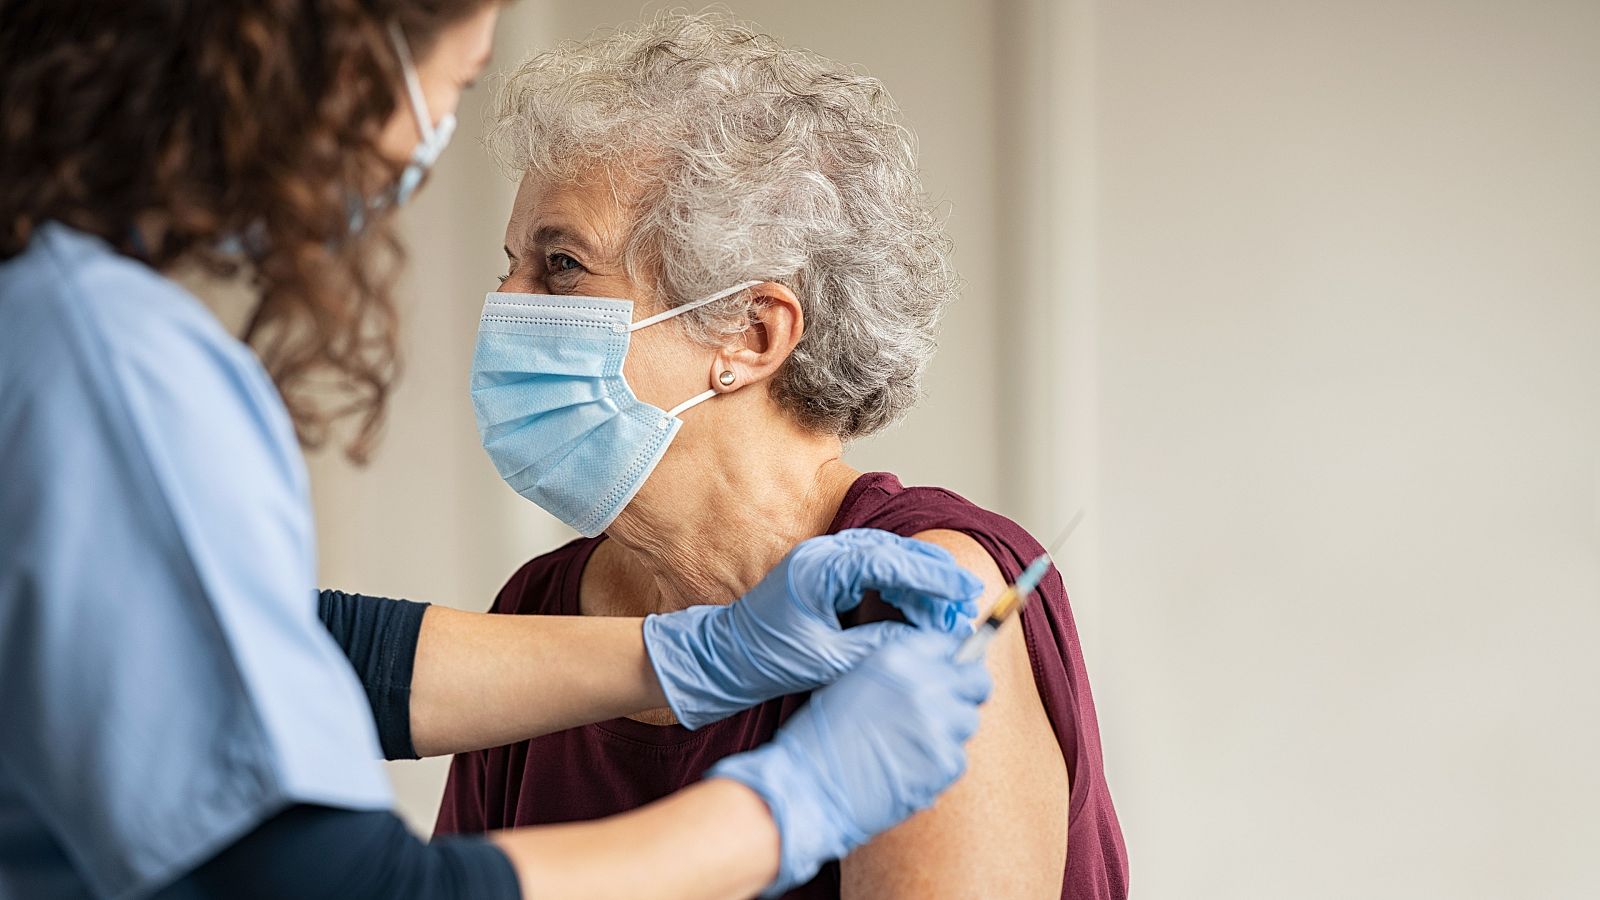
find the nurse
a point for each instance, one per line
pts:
(175, 720)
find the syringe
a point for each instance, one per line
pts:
(1010, 601)
(1014, 597)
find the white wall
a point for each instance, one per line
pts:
(1299, 300)
(1348, 306)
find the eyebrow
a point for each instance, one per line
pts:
(557, 234)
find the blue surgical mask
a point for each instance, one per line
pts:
(434, 137)
(554, 411)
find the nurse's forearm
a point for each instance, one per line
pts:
(482, 680)
(714, 840)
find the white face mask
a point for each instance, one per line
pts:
(434, 137)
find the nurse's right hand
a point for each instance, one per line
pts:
(785, 637)
(865, 752)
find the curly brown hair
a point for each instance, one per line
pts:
(233, 136)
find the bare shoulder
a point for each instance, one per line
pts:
(972, 557)
(1012, 803)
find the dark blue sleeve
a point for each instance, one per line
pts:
(321, 853)
(379, 636)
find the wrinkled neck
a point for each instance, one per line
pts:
(709, 525)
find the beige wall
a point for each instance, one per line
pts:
(1301, 302)
(1349, 312)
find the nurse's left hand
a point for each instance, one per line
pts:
(784, 636)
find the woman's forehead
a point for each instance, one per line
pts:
(587, 206)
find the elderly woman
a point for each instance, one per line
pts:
(776, 276)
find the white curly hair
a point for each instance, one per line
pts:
(755, 161)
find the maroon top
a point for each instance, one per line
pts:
(611, 767)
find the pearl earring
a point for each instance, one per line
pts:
(727, 378)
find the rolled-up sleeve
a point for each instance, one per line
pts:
(379, 636)
(165, 682)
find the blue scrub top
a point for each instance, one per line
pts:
(165, 684)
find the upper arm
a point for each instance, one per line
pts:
(379, 637)
(1011, 805)
(164, 677)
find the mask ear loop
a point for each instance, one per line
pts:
(698, 399)
(693, 304)
(690, 403)
(419, 102)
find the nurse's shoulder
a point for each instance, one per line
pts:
(69, 279)
(161, 660)
(85, 329)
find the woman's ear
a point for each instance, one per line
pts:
(776, 326)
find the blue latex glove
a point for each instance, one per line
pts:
(784, 636)
(865, 752)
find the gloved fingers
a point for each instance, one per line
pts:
(964, 723)
(925, 648)
(954, 765)
(856, 644)
(824, 572)
(871, 536)
(972, 683)
(922, 664)
(933, 613)
(934, 591)
(924, 661)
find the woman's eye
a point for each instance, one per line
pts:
(502, 279)
(561, 262)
